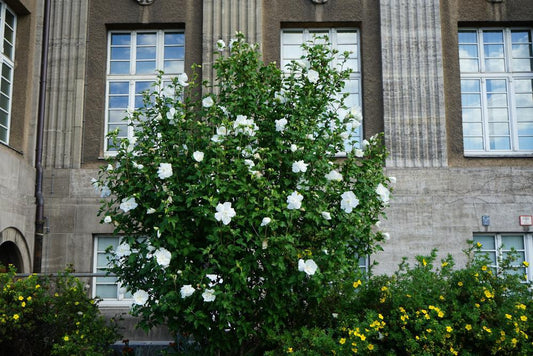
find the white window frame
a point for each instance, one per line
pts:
(132, 78)
(122, 298)
(307, 36)
(509, 75)
(7, 61)
(500, 249)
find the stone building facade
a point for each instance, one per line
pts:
(460, 137)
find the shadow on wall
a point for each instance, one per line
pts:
(14, 250)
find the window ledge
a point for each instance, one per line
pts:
(498, 154)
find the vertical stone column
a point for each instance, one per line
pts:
(65, 84)
(413, 94)
(221, 19)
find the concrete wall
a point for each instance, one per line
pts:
(17, 175)
(410, 91)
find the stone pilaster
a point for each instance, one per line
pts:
(413, 94)
(222, 18)
(65, 84)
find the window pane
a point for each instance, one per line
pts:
(523, 86)
(499, 143)
(116, 115)
(3, 134)
(144, 39)
(519, 36)
(493, 51)
(146, 67)
(494, 65)
(106, 291)
(3, 118)
(525, 142)
(5, 87)
(524, 99)
(487, 242)
(118, 102)
(118, 87)
(102, 260)
(123, 39)
(470, 86)
(522, 65)
(497, 115)
(142, 86)
(292, 52)
(471, 99)
(524, 114)
(472, 129)
(122, 129)
(473, 143)
(496, 85)
(4, 102)
(471, 115)
(516, 242)
(105, 242)
(174, 52)
(522, 51)
(120, 68)
(498, 129)
(493, 36)
(469, 65)
(467, 37)
(6, 71)
(173, 67)
(496, 100)
(145, 53)
(120, 53)
(295, 38)
(174, 38)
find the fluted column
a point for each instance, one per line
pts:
(413, 94)
(65, 84)
(222, 18)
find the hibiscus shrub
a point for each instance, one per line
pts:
(238, 219)
(429, 309)
(51, 316)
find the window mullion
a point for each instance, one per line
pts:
(133, 53)
(484, 114)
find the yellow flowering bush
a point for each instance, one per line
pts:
(429, 309)
(50, 316)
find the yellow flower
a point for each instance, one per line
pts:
(23, 304)
(525, 263)
(429, 330)
(449, 329)
(520, 306)
(440, 314)
(21, 297)
(424, 262)
(16, 317)
(357, 284)
(370, 347)
(523, 318)
(37, 286)
(384, 288)
(487, 329)
(342, 341)
(289, 350)
(380, 316)
(444, 264)
(514, 341)
(453, 351)
(460, 284)
(29, 298)
(508, 316)
(488, 293)
(477, 305)
(441, 297)
(362, 337)
(468, 327)
(479, 244)
(483, 268)
(56, 295)
(408, 295)
(66, 338)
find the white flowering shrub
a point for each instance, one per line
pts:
(238, 220)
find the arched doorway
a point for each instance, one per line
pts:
(14, 250)
(10, 255)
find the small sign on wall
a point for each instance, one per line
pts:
(525, 220)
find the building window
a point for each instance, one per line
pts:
(498, 246)
(497, 91)
(107, 288)
(343, 40)
(7, 57)
(134, 59)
